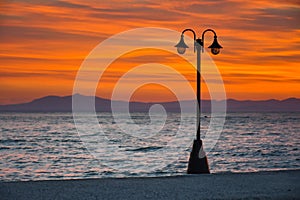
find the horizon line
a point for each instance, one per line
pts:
(149, 101)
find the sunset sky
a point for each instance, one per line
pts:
(43, 44)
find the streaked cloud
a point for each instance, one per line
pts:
(48, 40)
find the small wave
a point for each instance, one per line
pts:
(145, 149)
(106, 173)
(3, 148)
(249, 133)
(273, 133)
(11, 141)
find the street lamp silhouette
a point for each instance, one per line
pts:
(198, 161)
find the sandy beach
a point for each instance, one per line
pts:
(261, 185)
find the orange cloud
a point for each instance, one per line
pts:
(133, 59)
(44, 42)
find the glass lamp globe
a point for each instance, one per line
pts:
(215, 51)
(181, 50)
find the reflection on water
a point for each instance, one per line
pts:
(37, 146)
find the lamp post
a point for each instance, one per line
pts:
(198, 161)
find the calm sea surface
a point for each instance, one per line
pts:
(43, 146)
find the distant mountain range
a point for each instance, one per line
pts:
(64, 104)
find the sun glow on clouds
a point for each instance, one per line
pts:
(44, 42)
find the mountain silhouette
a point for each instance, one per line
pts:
(64, 104)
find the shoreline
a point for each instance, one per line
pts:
(283, 184)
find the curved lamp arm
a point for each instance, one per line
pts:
(215, 46)
(189, 29)
(215, 36)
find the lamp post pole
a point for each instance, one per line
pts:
(198, 50)
(198, 161)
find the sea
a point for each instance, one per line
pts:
(48, 146)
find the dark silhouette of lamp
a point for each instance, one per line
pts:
(215, 46)
(198, 161)
(181, 46)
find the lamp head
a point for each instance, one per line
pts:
(215, 46)
(181, 46)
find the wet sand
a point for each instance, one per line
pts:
(261, 185)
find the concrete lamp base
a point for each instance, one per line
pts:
(198, 161)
